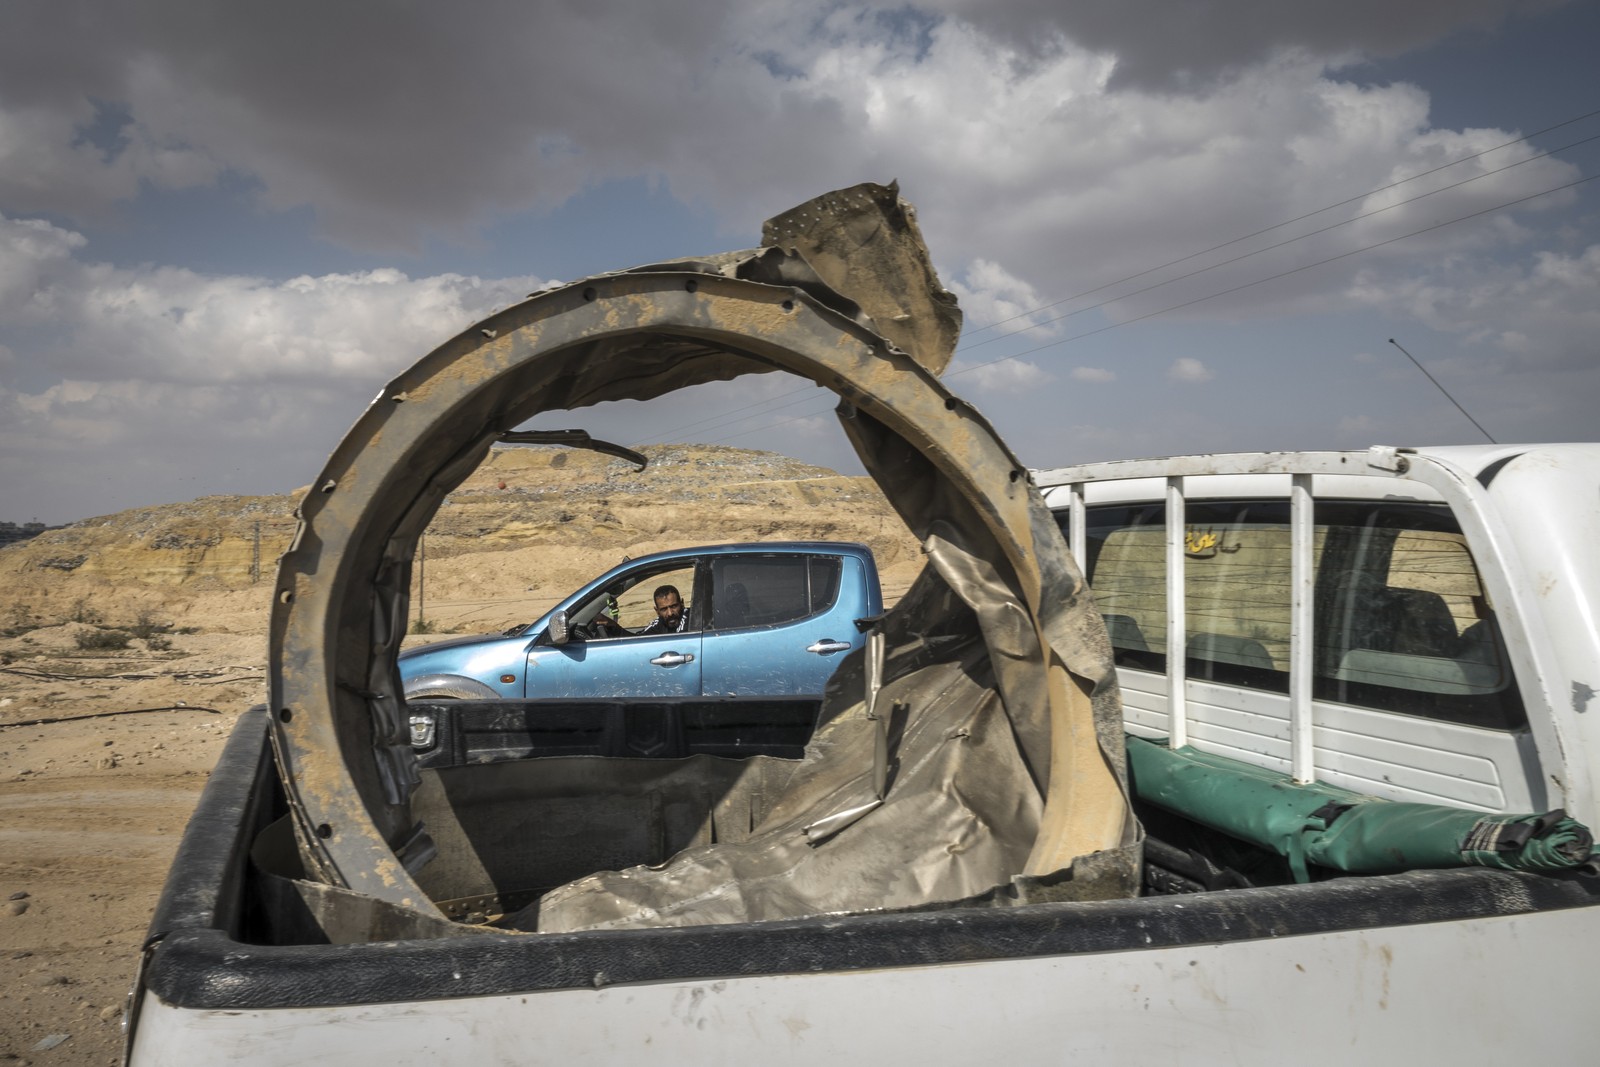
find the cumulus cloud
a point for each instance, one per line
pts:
(996, 302)
(1002, 376)
(168, 323)
(1175, 45)
(1189, 370)
(31, 252)
(1514, 342)
(443, 116)
(1494, 308)
(744, 110)
(1089, 188)
(180, 369)
(46, 164)
(1069, 163)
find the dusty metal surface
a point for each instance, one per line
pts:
(1004, 761)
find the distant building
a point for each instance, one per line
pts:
(10, 531)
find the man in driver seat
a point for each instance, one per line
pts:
(670, 616)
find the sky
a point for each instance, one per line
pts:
(1174, 227)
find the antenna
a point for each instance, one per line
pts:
(1445, 391)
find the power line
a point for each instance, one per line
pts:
(1280, 274)
(1297, 218)
(1224, 292)
(727, 418)
(1284, 242)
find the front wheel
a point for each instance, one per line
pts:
(447, 687)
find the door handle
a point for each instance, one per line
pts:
(673, 659)
(828, 644)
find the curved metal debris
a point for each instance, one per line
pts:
(1002, 757)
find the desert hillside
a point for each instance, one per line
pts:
(528, 526)
(129, 642)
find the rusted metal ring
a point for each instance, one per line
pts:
(341, 733)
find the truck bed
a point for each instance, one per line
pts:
(222, 953)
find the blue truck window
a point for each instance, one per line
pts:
(766, 590)
(631, 603)
(824, 587)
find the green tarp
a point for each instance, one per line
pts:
(1341, 829)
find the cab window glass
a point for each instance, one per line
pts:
(1126, 570)
(1401, 623)
(764, 590)
(824, 579)
(1236, 587)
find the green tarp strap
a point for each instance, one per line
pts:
(1345, 830)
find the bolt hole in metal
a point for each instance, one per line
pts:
(285, 714)
(589, 293)
(324, 831)
(691, 286)
(285, 596)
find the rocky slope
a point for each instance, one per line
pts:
(528, 526)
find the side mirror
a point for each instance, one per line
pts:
(559, 631)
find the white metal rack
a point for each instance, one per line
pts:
(1298, 473)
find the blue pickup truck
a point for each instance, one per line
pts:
(767, 619)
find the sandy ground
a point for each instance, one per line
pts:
(91, 809)
(103, 754)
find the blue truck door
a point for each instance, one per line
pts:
(780, 623)
(594, 664)
(658, 665)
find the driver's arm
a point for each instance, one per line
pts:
(605, 626)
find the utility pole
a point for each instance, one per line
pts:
(255, 556)
(422, 580)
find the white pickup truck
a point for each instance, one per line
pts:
(1452, 658)
(1345, 825)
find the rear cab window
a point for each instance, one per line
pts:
(1401, 621)
(768, 590)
